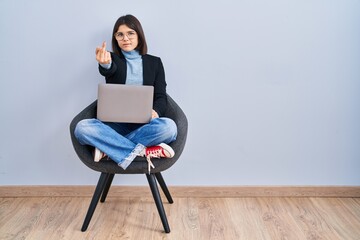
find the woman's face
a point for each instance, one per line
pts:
(127, 38)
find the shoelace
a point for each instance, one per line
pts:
(150, 164)
(152, 153)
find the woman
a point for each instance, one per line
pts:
(129, 63)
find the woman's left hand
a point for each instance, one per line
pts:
(154, 114)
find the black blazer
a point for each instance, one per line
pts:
(153, 75)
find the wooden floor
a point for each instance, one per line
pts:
(189, 218)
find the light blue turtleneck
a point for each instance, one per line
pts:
(134, 73)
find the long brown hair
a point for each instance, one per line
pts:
(131, 22)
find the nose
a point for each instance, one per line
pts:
(126, 36)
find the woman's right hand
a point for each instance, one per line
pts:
(103, 56)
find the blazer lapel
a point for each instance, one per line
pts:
(146, 71)
(123, 67)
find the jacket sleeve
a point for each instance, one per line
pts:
(160, 96)
(111, 71)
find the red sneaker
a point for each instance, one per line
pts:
(160, 151)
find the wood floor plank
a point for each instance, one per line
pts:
(189, 218)
(246, 215)
(279, 222)
(344, 222)
(310, 219)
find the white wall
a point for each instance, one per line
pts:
(271, 88)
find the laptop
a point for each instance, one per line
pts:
(124, 103)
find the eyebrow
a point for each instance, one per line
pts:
(127, 31)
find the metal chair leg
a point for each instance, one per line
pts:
(95, 199)
(163, 186)
(155, 192)
(107, 187)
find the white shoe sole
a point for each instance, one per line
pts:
(98, 155)
(169, 152)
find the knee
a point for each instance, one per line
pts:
(83, 127)
(80, 128)
(169, 128)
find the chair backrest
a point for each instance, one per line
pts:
(139, 164)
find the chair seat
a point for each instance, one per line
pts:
(139, 165)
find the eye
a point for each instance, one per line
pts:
(119, 34)
(131, 33)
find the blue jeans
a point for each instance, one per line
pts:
(122, 142)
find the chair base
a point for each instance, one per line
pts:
(103, 187)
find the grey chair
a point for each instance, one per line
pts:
(139, 166)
